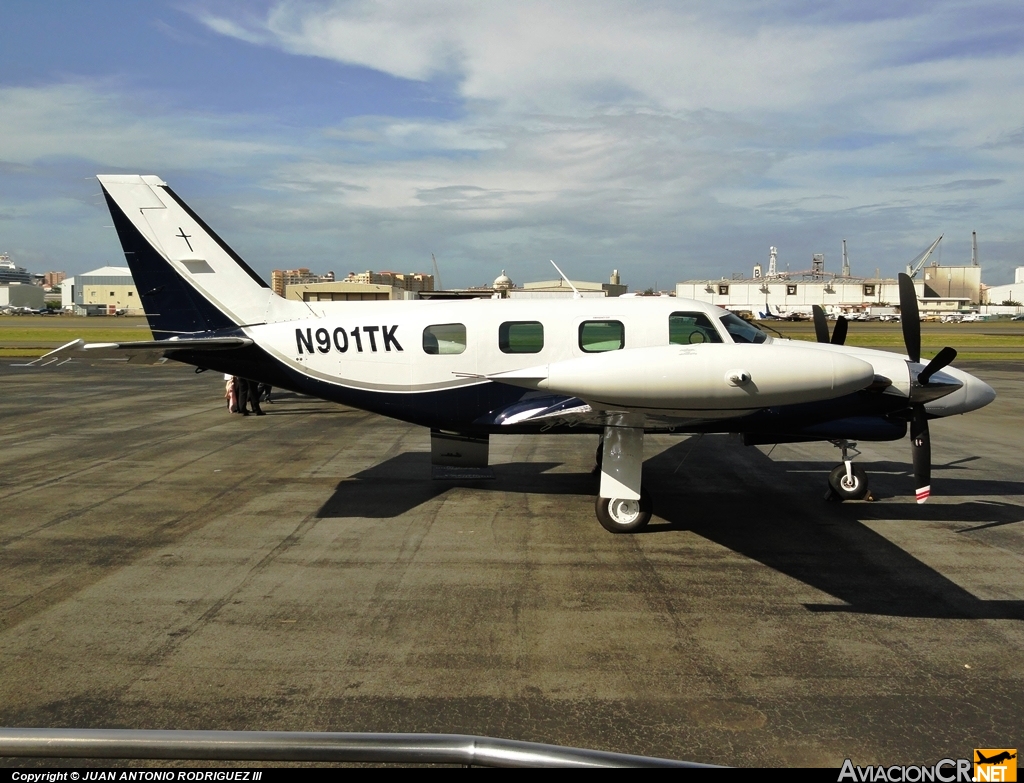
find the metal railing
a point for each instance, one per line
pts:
(308, 746)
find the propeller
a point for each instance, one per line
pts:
(821, 327)
(910, 318)
(820, 324)
(839, 333)
(920, 439)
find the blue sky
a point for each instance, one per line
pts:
(667, 140)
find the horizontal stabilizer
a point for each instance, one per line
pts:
(136, 352)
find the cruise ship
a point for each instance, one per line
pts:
(9, 273)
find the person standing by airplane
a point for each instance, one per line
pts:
(231, 393)
(248, 396)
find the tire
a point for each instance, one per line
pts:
(856, 490)
(624, 516)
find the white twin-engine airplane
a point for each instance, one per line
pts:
(620, 367)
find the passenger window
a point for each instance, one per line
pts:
(444, 339)
(521, 337)
(690, 329)
(596, 336)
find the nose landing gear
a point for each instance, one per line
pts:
(847, 481)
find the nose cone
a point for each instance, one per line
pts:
(849, 374)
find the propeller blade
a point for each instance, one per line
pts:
(921, 450)
(942, 358)
(820, 324)
(839, 333)
(910, 318)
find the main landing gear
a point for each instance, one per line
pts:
(847, 481)
(619, 515)
(622, 506)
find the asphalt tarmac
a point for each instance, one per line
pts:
(164, 564)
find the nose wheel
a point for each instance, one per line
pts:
(847, 481)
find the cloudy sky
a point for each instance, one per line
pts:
(669, 140)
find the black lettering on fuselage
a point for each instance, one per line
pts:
(370, 332)
(342, 346)
(389, 338)
(321, 340)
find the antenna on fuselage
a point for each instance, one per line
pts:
(575, 294)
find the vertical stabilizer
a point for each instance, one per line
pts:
(188, 279)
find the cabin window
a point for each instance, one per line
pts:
(521, 337)
(790, 290)
(597, 336)
(690, 329)
(723, 290)
(444, 339)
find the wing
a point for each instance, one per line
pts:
(546, 411)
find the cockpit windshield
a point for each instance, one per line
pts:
(742, 331)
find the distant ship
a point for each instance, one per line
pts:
(9, 273)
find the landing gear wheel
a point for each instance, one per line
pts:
(843, 487)
(617, 515)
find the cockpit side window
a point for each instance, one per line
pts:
(742, 331)
(691, 328)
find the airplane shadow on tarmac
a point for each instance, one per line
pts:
(771, 512)
(826, 545)
(372, 493)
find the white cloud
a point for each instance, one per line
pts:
(99, 123)
(567, 57)
(679, 138)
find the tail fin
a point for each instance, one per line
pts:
(188, 279)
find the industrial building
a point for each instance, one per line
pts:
(21, 295)
(940, 289)
(560, 287)
(108, 290)
(301, 284)
(345, 291)
(504, 288)
(1010, 292)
